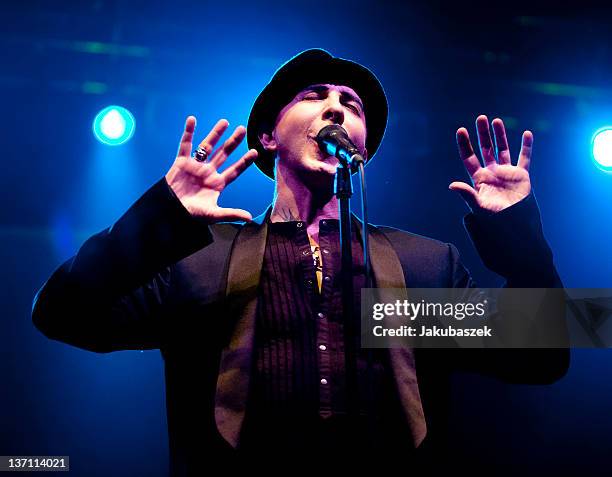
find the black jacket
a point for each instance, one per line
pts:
(160, 278)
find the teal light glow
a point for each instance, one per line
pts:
(114, 125)
(602, 148)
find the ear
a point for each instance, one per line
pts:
(365, 155)
(268, 142)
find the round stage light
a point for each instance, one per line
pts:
(114, 125)
(602, 148)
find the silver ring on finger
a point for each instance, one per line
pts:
(200, 155)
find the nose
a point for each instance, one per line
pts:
(333, 110)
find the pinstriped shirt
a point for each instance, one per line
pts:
(299, 370)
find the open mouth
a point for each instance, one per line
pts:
(322, 154)
(314, 140)
(324, 157)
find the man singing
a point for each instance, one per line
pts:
(247, 312)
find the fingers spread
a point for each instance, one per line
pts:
(484, 140)
(526, 148)
(185, 145)
(210, 141)
(239, 166)
(501, 142)
(228, 147)
(466, 152)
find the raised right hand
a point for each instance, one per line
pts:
(198, 184)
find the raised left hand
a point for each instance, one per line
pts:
(498, 184)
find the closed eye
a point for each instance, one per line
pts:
(355, 108)
(352, 105)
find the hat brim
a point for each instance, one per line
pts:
(316, 66)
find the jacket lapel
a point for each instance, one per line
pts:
(244, 273)
(388, 273)
(235, 367)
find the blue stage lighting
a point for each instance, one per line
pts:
(602, 148)
(114, 125)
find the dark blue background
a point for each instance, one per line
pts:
(441, 67)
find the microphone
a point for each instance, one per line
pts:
(335, 141)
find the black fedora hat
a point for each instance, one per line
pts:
(309, 67)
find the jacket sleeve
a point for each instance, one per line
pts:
(111, 295)
(512, 244)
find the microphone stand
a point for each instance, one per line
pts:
(343, 191)
(333, 140)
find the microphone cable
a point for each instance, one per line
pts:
(368, 283)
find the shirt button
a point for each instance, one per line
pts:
(321, 315)
(308, 282)
(323, 381)
(299, 225)
(306, 252)
(327, 278)
(323, 222)
(325, 250)
(322, 347)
